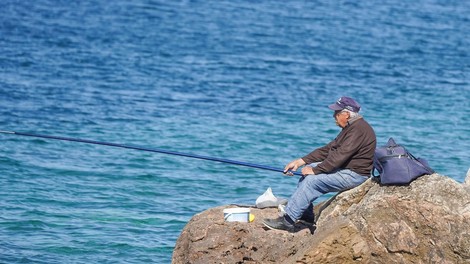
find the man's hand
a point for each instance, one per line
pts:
(307, 170)
(293, 166)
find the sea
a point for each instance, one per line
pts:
(242, 80)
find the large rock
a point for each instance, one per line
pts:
(427, 221)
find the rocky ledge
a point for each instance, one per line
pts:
(427, 221)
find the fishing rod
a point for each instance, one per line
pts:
(156, 150)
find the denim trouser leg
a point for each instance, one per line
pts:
(313, 186)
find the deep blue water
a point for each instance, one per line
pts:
(244, 80)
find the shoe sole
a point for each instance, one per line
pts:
(266, 225)
(272, 228)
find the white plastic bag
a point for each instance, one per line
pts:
(267, 199)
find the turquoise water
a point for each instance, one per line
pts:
(244, 80)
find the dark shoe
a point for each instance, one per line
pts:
(280, 223)
(308, 217)
(307, 220)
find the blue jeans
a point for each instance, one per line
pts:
(313, 186)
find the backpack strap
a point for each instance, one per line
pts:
(420, 163)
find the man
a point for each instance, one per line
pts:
(342, 164)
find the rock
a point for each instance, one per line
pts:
(207, 238)
(467, 178)
(427, 221)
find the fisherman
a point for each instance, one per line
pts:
(342, 164)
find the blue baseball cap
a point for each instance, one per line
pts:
(345, 103)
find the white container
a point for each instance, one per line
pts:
(237, 215)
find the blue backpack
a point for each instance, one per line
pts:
(397, 166)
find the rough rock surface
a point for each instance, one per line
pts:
(427, 221)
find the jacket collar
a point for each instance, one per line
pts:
(354, 119)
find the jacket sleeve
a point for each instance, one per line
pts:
(318, 154)
(340, 153)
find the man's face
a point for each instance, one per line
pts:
(341, 118)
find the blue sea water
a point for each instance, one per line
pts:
(243, 80)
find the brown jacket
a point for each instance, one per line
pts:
(352, 149)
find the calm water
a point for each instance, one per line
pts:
(244, 80)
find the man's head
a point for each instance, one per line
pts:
(344, 108)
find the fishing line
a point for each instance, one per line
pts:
(156, 150)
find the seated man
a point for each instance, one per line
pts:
(342, 164)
